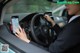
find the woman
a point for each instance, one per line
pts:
(68, 40)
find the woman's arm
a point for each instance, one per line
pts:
(55, 27)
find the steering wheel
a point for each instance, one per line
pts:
(41, 31)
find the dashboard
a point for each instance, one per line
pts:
(18, 45)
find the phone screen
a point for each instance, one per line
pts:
(15, 23)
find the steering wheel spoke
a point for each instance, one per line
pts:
(37, 31)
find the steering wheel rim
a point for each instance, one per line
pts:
(40, 27)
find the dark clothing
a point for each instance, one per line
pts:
(68, 40)
(57, 29)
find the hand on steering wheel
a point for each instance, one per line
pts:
(47, 17)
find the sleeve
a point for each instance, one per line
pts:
(68, 38)
(57, 29)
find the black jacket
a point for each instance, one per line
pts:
(68, 40)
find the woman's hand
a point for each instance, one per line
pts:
(47, 17)
(20, 33)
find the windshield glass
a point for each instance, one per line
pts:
(31, 6)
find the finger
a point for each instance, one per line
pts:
(20, 28)
(17, 31)
(16, 34)
(45, 16)
(23, 30)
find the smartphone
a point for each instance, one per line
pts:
(15, 23)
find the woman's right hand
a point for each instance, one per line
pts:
(47, 17)
(20, 33)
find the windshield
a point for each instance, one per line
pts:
(31, 6)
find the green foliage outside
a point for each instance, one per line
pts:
(31, 6)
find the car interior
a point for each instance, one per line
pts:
(31, 18)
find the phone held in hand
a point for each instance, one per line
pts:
(15, 23)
